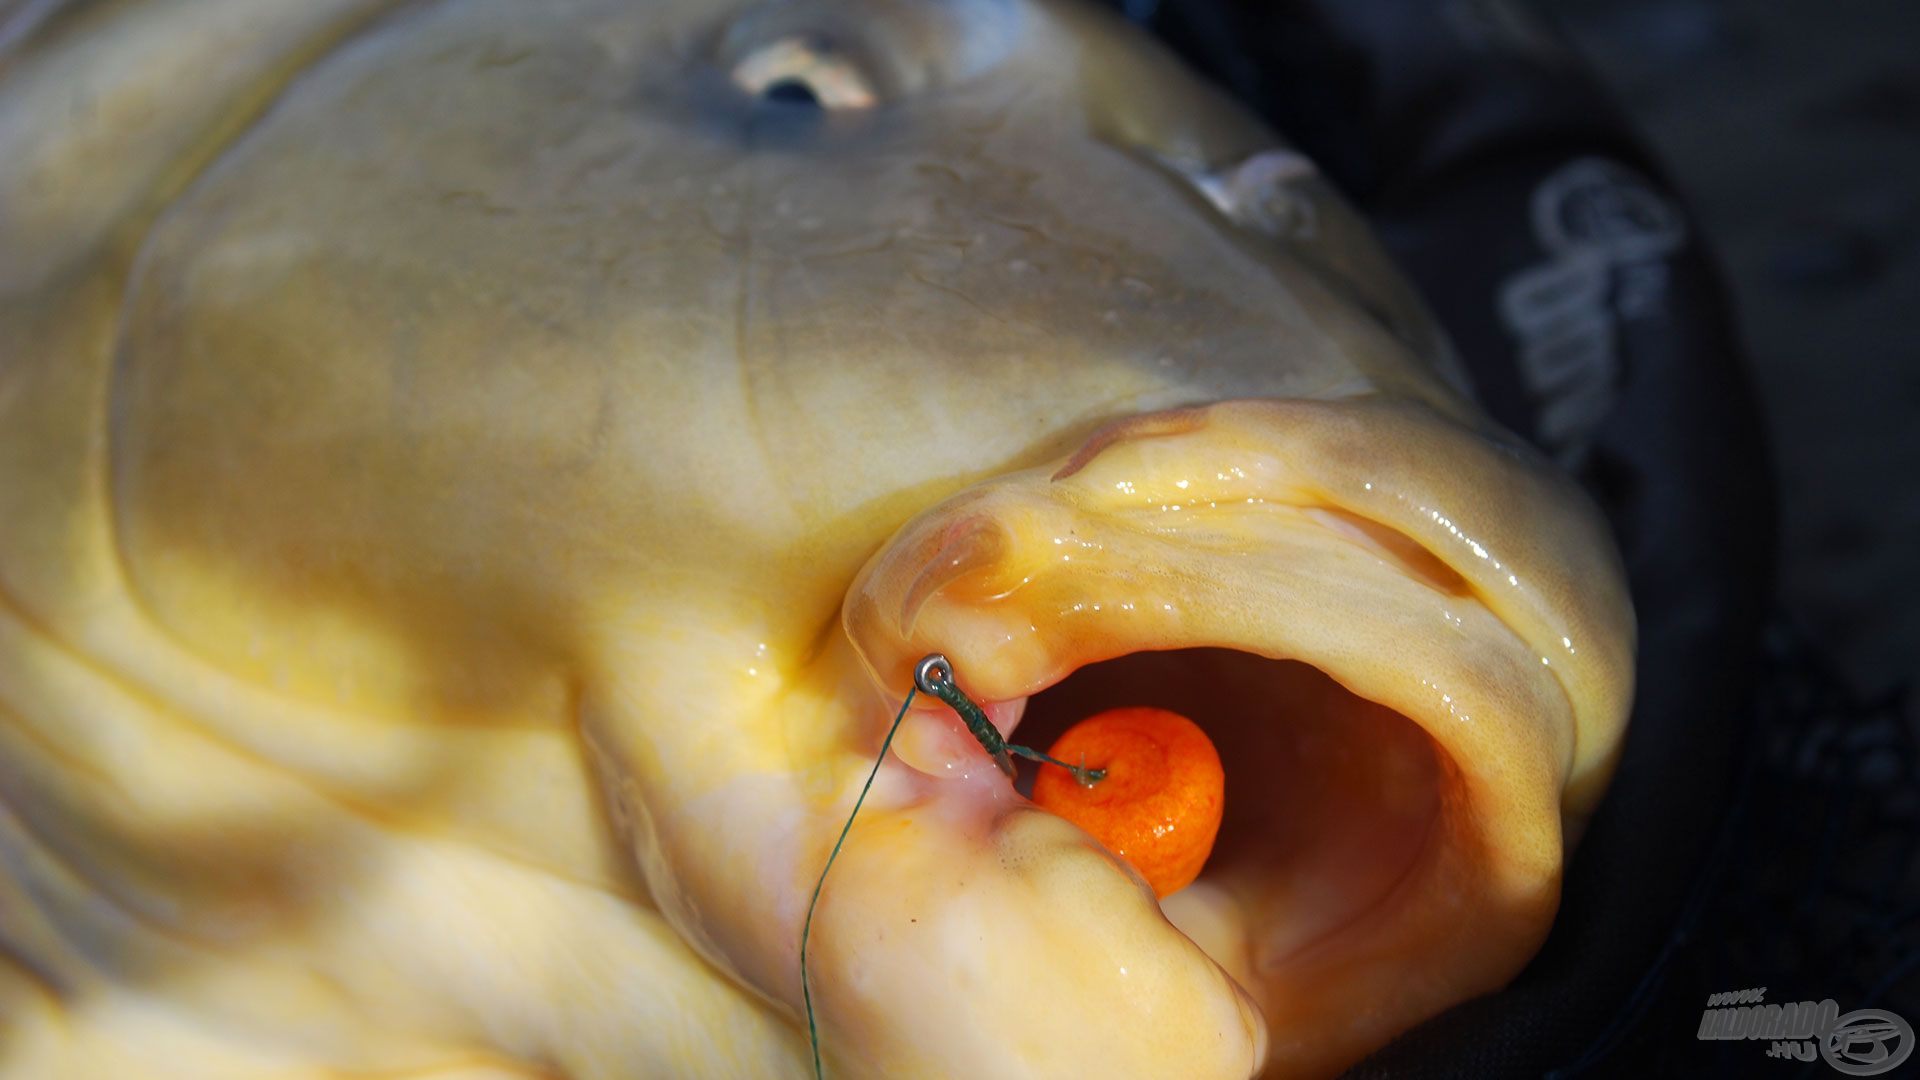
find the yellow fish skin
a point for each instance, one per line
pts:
(475, 478)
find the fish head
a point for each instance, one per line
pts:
(669, 378)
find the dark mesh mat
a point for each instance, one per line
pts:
(1762, 828)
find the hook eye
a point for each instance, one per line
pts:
(932, 672)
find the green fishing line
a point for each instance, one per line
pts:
(932, 676)
(806, 928)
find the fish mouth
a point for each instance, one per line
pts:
(1409, 643)
(1316, 836)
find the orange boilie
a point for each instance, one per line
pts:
(1158, 806)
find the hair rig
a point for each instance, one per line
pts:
(932, 676)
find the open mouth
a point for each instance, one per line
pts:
(1412, 697)
(1332, 801)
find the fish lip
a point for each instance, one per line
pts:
(1521, 798)
(964, 544)
(1566, 608)
(1013, 682)
(1021, 683)
(987, 794)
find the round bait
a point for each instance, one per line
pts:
(1160, 801)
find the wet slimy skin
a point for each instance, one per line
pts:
(475, 478)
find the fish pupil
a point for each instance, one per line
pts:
(791, 92)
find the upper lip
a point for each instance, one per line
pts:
(979, 552)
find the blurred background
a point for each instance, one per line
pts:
(1792, 130)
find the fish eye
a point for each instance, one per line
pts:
(805, 71)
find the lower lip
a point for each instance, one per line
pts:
(934, 741)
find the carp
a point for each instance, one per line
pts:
(476, 478)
